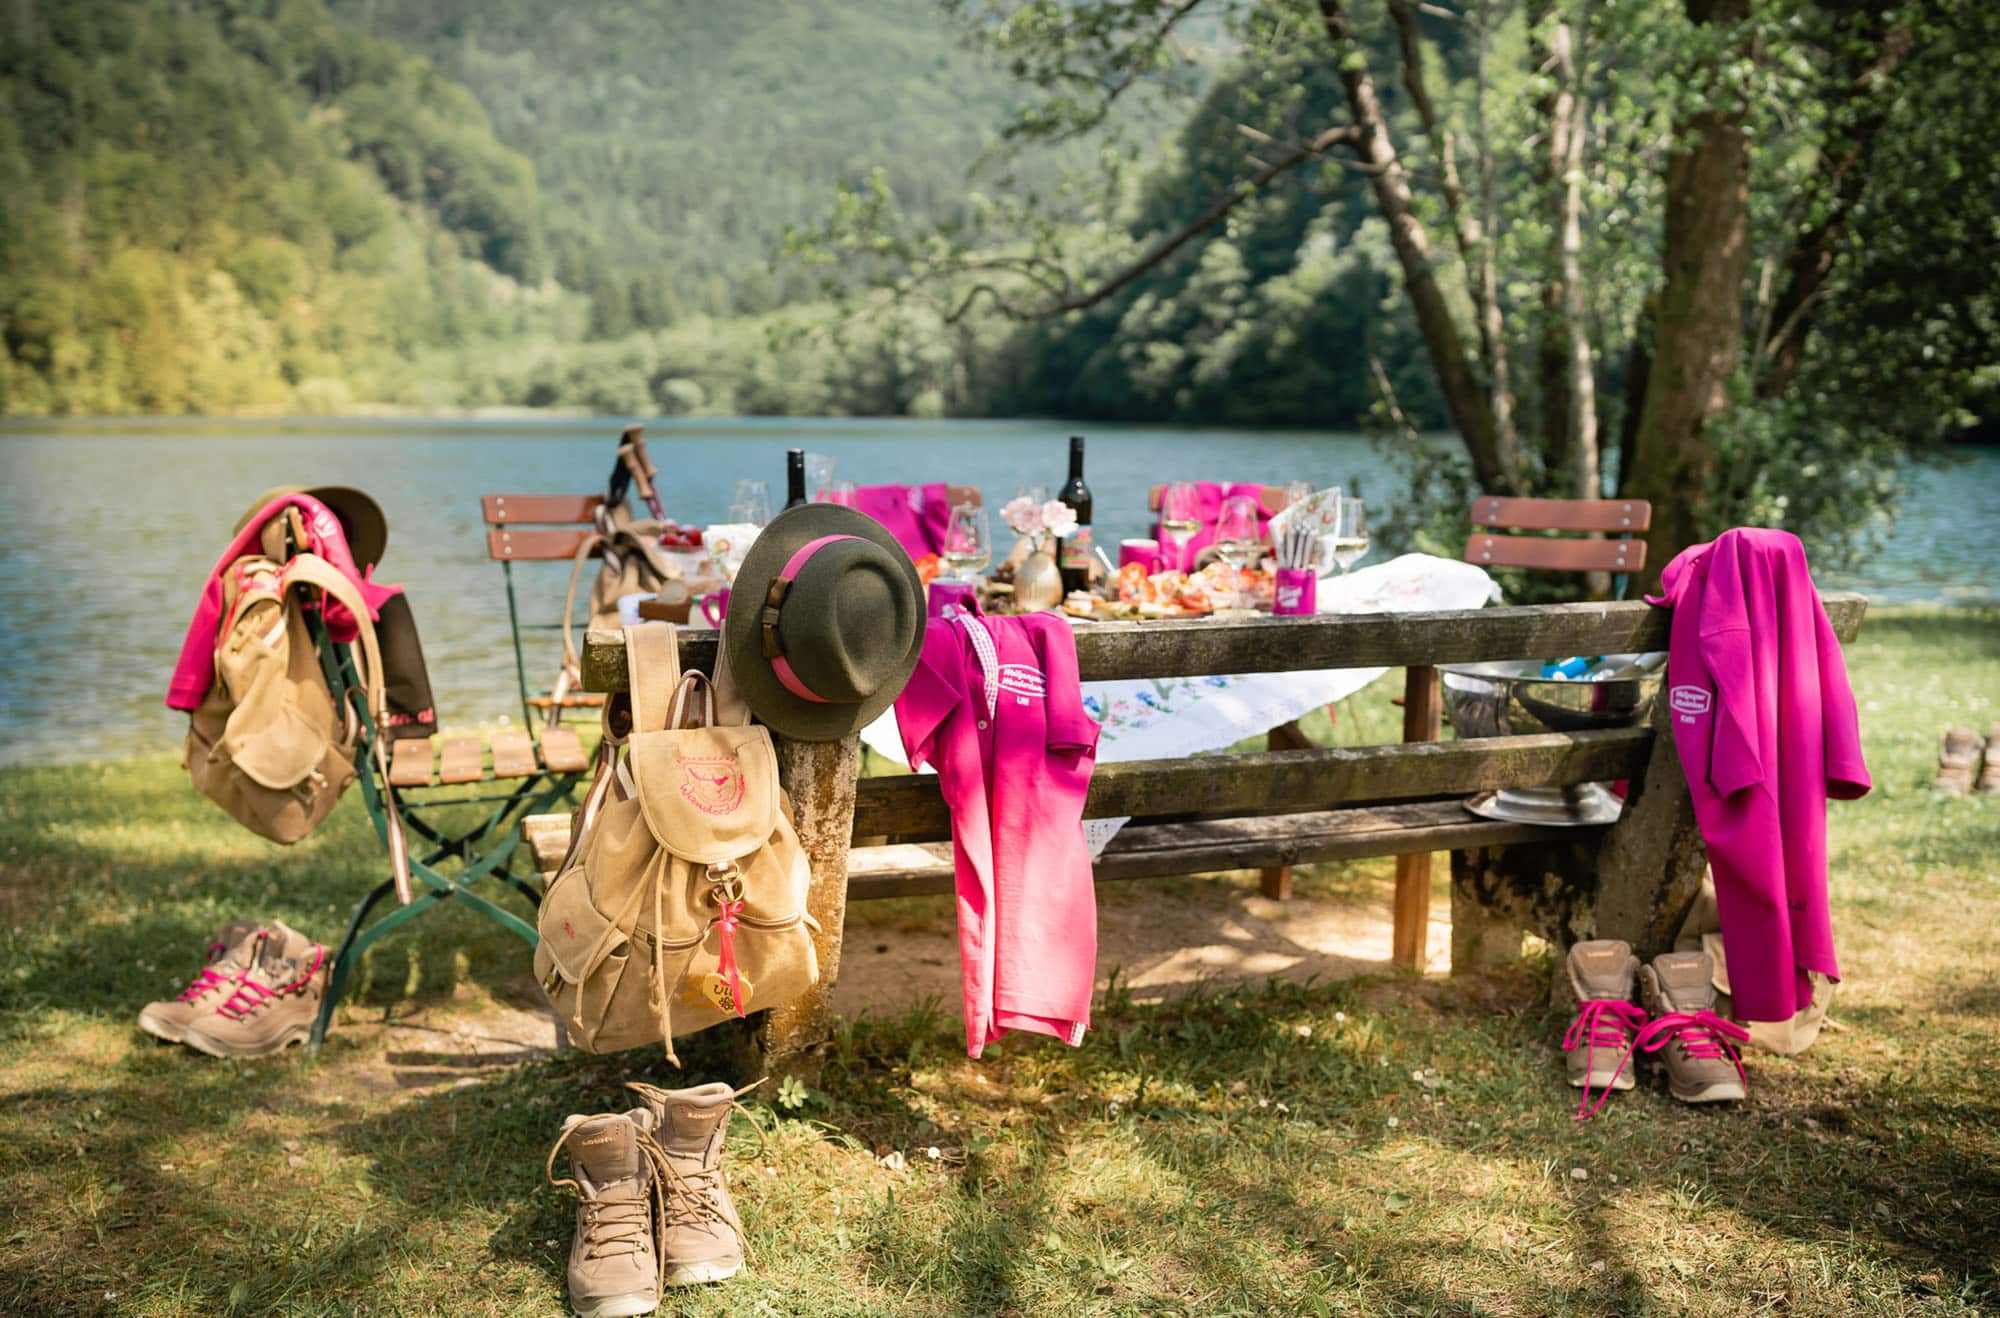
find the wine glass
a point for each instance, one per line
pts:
(1180, 518)
(968, 543)
(1038, 494)
(819, 475)
(752, 503)
(1238, 539)
(1350, 533)
(836, 492)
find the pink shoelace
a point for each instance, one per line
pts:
(1606, 1023)
(250, 995)
(1704, 1034)
(208, 977)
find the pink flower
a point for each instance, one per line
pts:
(1058, 518)
(1022, 515)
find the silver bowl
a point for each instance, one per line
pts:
(1511, 698)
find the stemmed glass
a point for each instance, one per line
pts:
(968, 543)
(819, 475)
(752, 503)
(1180, 518)
(1349, 541)
(836, 492)
(1238, 539)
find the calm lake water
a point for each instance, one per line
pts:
(108, 529)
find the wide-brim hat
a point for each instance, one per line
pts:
(360, 517)
(825, 623)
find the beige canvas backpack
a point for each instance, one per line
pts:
(682, 902)
(270, 743)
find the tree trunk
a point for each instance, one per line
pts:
(1705, 252)
(1552, 359)
(1464, 399)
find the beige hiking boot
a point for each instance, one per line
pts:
(703, 1238)
(1694, 1042)
(614, 1263)
(274, 1002)
(1599, 1041)
(228, 956)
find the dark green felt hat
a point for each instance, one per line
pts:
(826, 620)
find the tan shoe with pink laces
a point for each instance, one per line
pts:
(1697, 1046)
(274, 1000)
(228, 956)
(1598, 1044)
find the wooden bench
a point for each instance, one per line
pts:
(1631, 880)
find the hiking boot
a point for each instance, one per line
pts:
(1989, 759)
(614, 1264)
(703, 1238)
(1694, 1042)
(1599, 1041)
(1960, 751)
(274, 1002)
(228, 956)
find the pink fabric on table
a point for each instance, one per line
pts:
(1767, 730)
(915, 514)
(1212, 495)
(1013, 749)
(194, 672)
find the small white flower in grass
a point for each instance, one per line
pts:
(111, 1295)
(1340, 1017)
(166, 1166)
(934, 1153)
(1303, 1031)
(1394, 1122)
(1023, 515)
(1114, 1107)
(1058, 518)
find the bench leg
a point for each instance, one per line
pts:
(1276, 882)
(1410, 912)
(820, 776)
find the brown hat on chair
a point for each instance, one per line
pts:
(826, 620)
(360, 517)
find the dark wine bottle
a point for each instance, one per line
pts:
(795, 478)
(1075, 556)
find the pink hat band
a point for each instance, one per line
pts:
(774, 599)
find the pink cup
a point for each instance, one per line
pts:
(1146, 553)
(945, 595)
(714, 607)
(1296, 590)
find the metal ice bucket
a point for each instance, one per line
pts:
(1511, 698)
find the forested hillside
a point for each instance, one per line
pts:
(231, 205)
(676, 139)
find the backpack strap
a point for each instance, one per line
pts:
(572, 667)
(312, 570)
(653, 661)
(728, 709)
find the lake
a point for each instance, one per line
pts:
(107, 529)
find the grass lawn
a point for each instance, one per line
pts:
(1389, 1145)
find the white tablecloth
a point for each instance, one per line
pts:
(1164, 718)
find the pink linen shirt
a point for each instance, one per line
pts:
(915, 514)
(1767, 730)
(995, 707)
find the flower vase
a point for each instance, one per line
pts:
(1038, 583)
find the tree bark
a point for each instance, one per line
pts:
(1699, 333)
(1552, 355)
(1470, 409)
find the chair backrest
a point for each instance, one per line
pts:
(1624, 518)
(527, 528)
(1271, 498)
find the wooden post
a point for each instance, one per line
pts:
(1423, 720)
(1277, 880)
(820, 777)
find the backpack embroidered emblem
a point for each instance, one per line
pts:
(713, 782)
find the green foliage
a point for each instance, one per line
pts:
(238, 206)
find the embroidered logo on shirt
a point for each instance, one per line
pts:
(1689, 700)
(713, 782)
(1023, 681)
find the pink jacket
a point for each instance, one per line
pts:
(915, 514)
(995, 708)
(195, 671)
(1767, 730)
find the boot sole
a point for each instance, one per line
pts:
(214, 1048)
(1725, 1091)
(615, 1306)
(700, 1274)
(160, 1029)
(1602, 1080)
